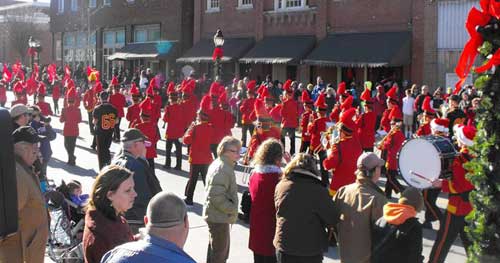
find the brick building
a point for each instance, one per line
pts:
(339, 40)
(122, 34)
(18, 21)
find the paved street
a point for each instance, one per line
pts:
(173, 181)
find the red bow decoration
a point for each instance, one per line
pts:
(490, 8)
(218, 53)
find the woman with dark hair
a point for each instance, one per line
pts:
(304, 210)
(263, 180)
(105, 227)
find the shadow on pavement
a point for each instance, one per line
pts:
(56, 163)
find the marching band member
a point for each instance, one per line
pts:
(18, 93)
(89, 102)
(199, 136)
(290, 116)
(189, 103)
(366, 123)
(459, 206)
(307, 117)
(56, 95)
(316, 128)
(118, 100)
(174, 118)
(341, 95)
(392, 102)
(228, 116)
(455, 114)
(44, 106)
(246, 109)
(391, 144)
(344, 153)
(71, 116)
(439, 127)
(150, 129)
(134, 111)
(429, 115)
(216, 115)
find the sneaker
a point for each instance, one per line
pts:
(188, 202)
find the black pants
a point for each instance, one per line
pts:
(244, 129)
(263, 259)
(69, 145)
(151, 162)
(304, 146)
(2, 104)
(178, 153)
(392, 183)
(451, 226)
(432, 212)
(195, 171)
(213, 148)
(377, 122)
(290, 133)
(56, 107)
(91, 123)
(103, 144)
(285, 258)
(116, 130)
(324, 173)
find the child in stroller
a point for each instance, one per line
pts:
(66, 223)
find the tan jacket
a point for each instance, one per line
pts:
(221, 193)
(28, 244)
(360, 205)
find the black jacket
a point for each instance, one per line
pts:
(397, 243)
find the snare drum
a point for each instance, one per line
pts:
(423, 160)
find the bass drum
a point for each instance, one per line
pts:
(423, 160)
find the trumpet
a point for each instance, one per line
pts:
(380, 144)
(331, 135)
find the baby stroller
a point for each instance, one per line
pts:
(64, 244)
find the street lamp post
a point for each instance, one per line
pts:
(34, 50)
(218, 53)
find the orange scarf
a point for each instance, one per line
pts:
(397, 214)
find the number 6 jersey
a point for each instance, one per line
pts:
(106, 116)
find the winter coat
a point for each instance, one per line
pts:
(71, 117)
(28, 244)
(221, 192)
(304, 210)
(290, 114)
(200, 137)
(360, 206)
(263, 181)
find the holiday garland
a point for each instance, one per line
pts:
(483, 227)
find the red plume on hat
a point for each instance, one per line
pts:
(71, 94)
(41, 89)
(321, 102)
(206, 105)
(426, 106)
(265, 95)
(392, 93)
(18, 87)
(98, 88)
(440, 125)
(152, 83)
(465, 134)
(171, 88)
(215, 89)
(260, 110)
(366, 95)
(134, 91)
(146, 107)
(223, 98)
(287, 86)
(347, 103)
(149, 90)
(251, 86)
(396, 114)
(114, 81)
(188, 86)
(261, 90)
(346, 118)
(341, 88)
(306, 98)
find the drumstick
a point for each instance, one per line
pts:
(421, 176)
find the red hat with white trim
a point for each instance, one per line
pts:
(440, 125)
(465, 134)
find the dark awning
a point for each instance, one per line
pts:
(202, 51)
(150, 50)
(363, 49)
(280, 50)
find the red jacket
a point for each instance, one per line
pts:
(3, 95)
(222, 121)
(44, 108)
(315, 128)
(342, 160)
(263, 181)
(189, 108)
(175, 117)
(366, 129)
(304, 123)
(392, 145)
(200, 137)
(133, 115)
(276, 114)
(424, 130)
(89, 100)
(246, 110)
(290, 114)
(457, 185)
(119, 102)
(258, 138)
(335, 115)
(56, 92)
(71, 117)
(150, 130)
(385, 122)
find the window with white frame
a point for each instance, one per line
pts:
(92, 3)
(147, 33)
(244, 3)
(60, 6)
(74, 5)
(290, 4)
(213, 5)
(107, 2)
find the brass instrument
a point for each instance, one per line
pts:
(380, 144)
(331, 135)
